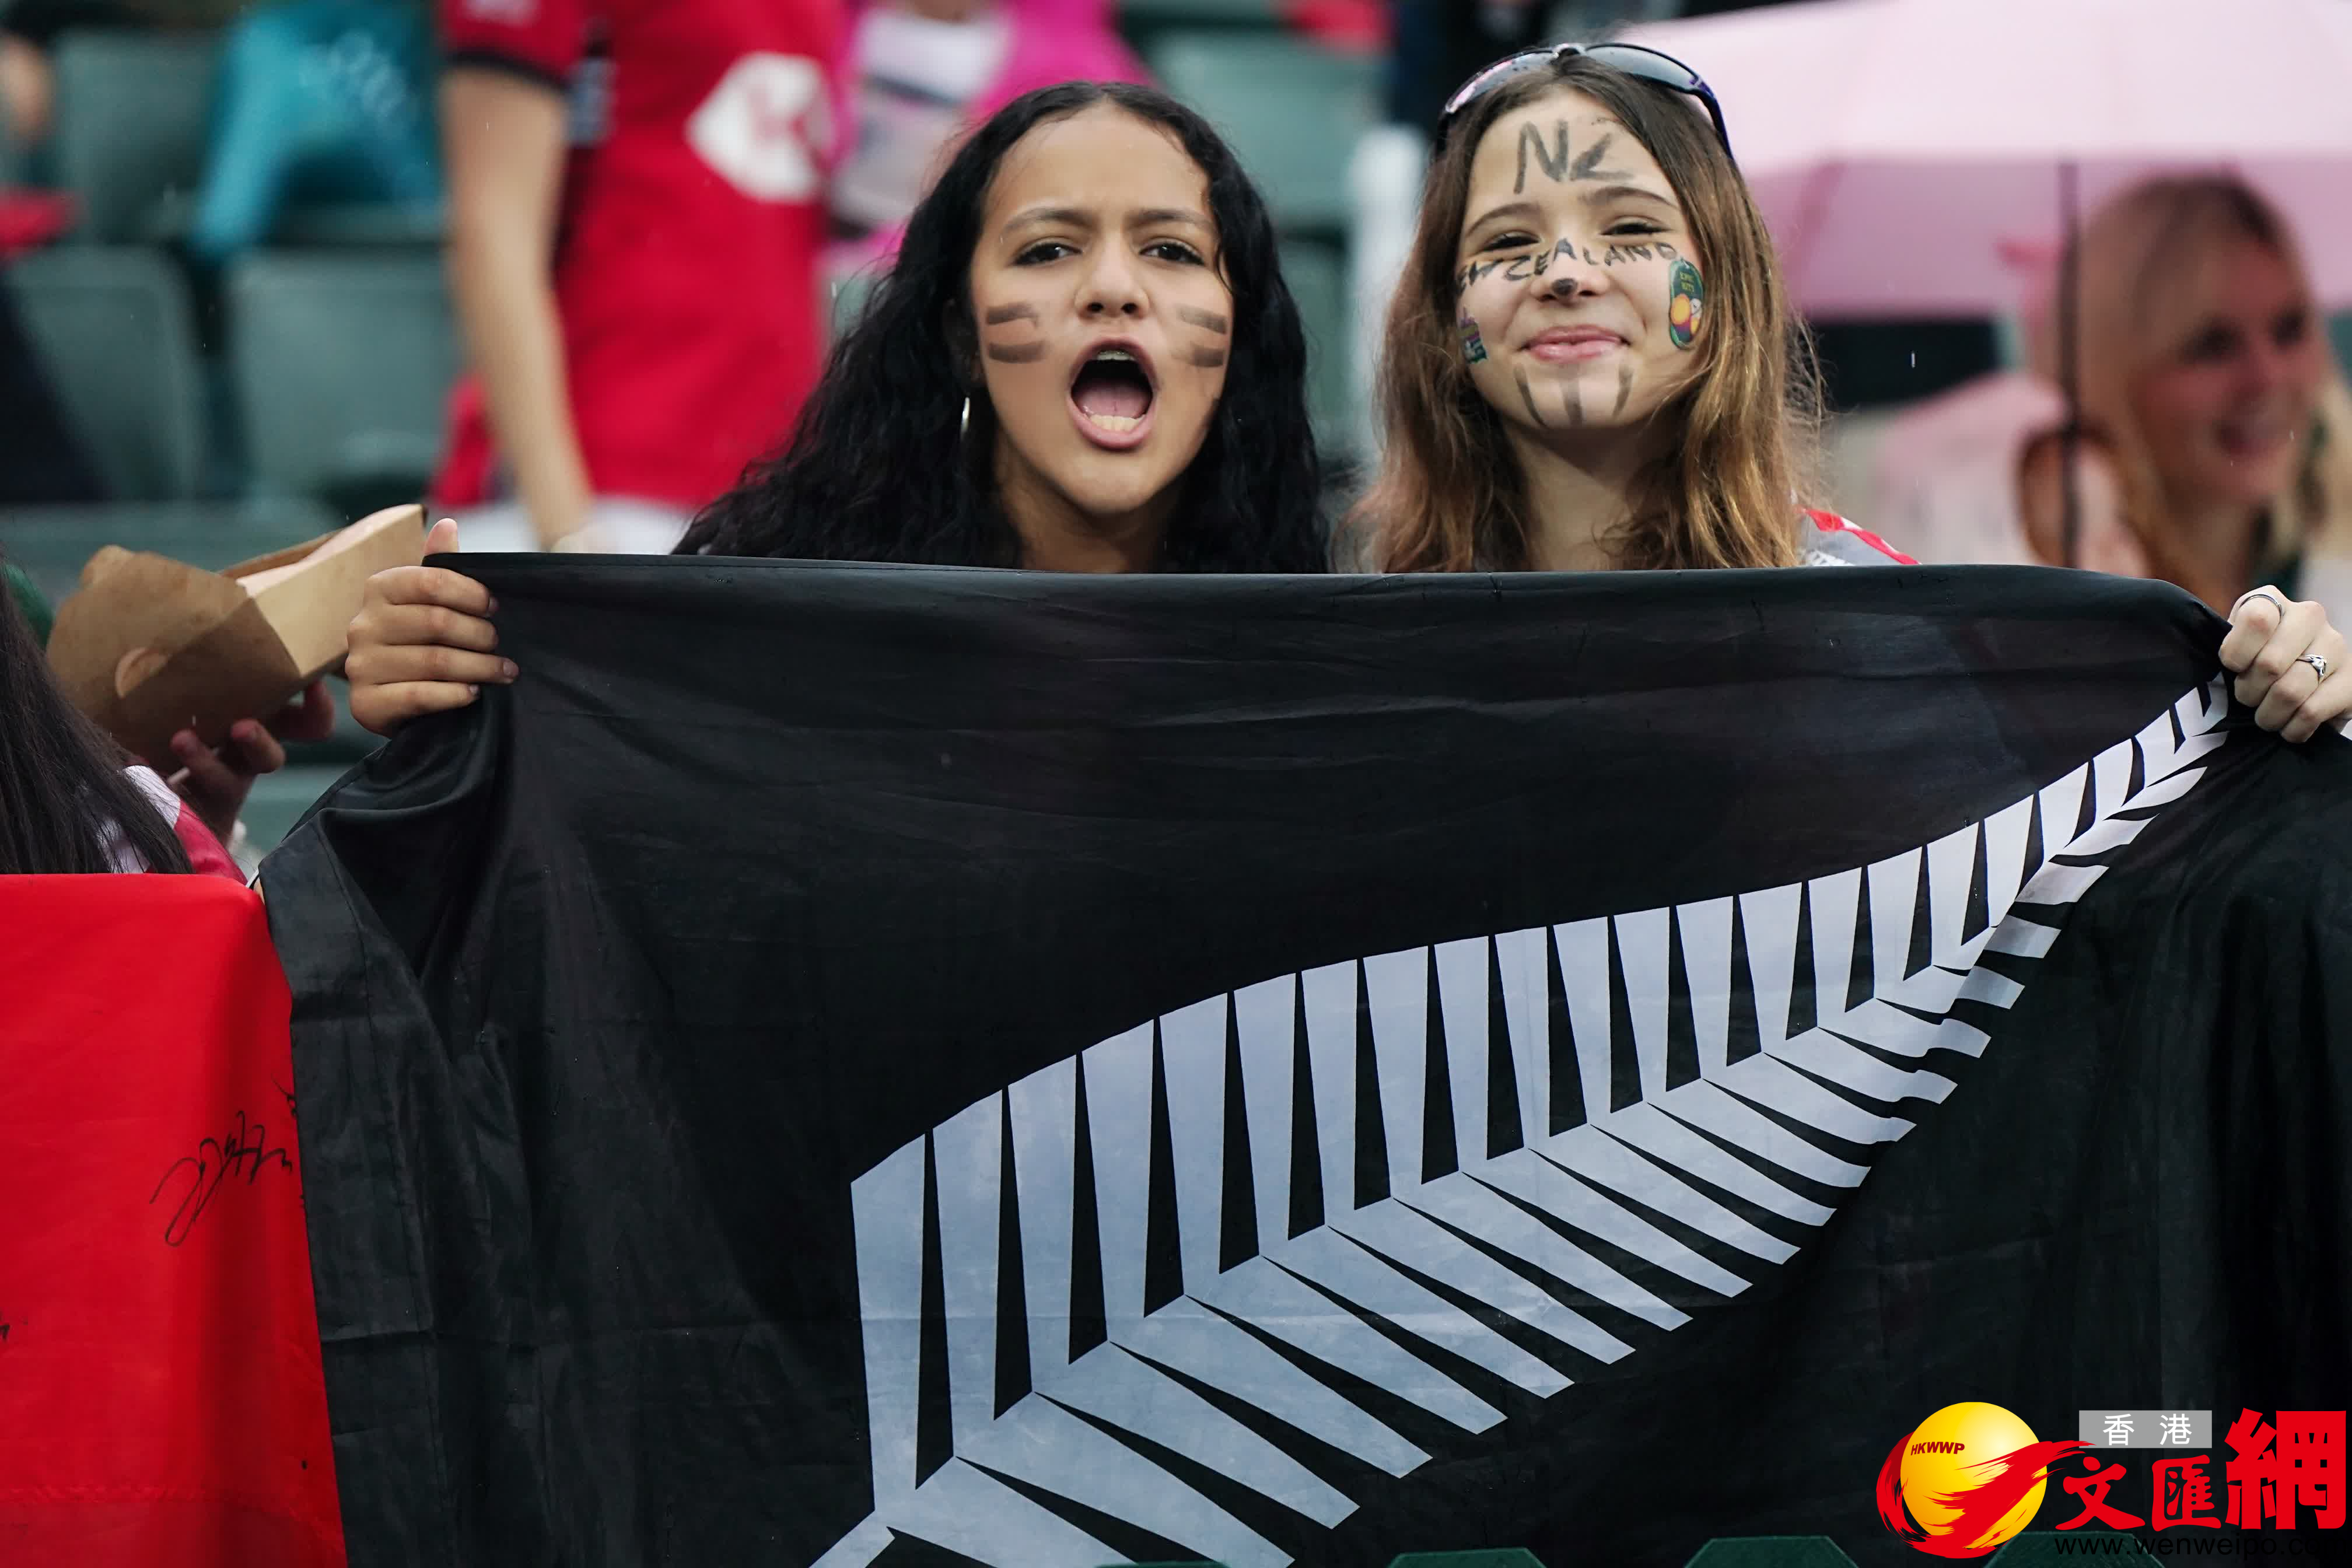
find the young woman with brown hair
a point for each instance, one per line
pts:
(1592, 361)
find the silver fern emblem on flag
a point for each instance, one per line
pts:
(1488, 1086)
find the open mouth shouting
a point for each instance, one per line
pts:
(1112, 394)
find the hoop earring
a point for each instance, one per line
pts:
(964, 425)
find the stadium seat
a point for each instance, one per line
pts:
(52, 542)
(342, 360)
(361, 224)
(1293, 112)
(132, 112)
(1320, 283)
(1145, 21)
(114, 327)
(301, 224)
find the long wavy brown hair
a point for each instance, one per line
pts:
(1724, 491)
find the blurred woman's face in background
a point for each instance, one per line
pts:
(2226, 404)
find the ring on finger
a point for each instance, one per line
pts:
(2270, 594)
(2318, 662)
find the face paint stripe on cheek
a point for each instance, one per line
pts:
(1207, 359)
(1207, 318)
(1016, 353)
(999, 315)
(1624, 389)
(1527, 396)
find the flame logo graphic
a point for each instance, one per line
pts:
(1964, 1480)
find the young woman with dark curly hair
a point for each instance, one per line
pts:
(1084, 360)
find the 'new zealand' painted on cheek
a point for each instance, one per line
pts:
(1685, 297)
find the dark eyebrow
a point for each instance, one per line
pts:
(1070, 215)
(1151, 217)
(1074, 218)
(1618, 193)
(1509, 209)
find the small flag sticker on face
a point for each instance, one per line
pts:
(1474, 347)
(1687, 298)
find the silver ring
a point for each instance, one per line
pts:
(2319, 663)
(2264, 593)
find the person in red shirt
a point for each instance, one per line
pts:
(646, 314)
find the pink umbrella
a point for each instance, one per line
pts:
(1914, 157)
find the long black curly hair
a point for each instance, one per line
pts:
(877, 471)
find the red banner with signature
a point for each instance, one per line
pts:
(160, 1392)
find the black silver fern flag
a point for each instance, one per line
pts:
(883, 1066)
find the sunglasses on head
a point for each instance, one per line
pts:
(1648, 65)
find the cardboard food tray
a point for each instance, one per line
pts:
(149, 646)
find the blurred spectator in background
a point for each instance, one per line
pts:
(925, 71)
(1940, 473)
(319, 101)
(1352, 24)
(29, 27)
(2221, 448)
(645, 316)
